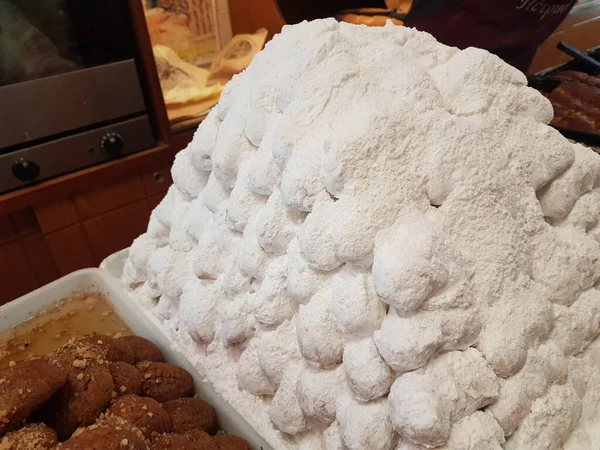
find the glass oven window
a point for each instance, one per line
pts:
(40, 38)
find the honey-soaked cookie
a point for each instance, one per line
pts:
(144, 413)
(24, 387)
(126, 378)
(36, 436)
(143, 349)
(113, 434)
(164, 382)
(197, 440)
(80, 401)
(92, 350)
(189, 414)
(225, 442)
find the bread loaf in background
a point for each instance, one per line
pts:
(373, 21)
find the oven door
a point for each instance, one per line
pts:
(65, 66)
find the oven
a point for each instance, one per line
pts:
(70, 91)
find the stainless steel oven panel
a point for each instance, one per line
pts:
(47, 106)
(77, 151)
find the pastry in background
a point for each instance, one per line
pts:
(377, 17)
(181, 82)
(368, 16)
(236, 56)
(576, 107)
(186, 26)
(573, 75)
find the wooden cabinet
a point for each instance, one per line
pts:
(41, 243)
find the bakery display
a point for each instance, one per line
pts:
(182, 82)
(375, 241)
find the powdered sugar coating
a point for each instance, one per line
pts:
(367, 207)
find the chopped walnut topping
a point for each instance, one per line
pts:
(79, 363)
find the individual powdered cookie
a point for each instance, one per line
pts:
(366, 426)
(368, 375)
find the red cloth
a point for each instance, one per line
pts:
(511, 29)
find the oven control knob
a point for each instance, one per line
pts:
(25, 170)
(112, 143)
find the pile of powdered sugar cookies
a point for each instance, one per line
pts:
(374, 241)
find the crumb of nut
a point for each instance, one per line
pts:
(20, 391)
(114, 394)
(105, 313)
(117, 335)
(12, 364)
(147, 375)
(150, 414)
(124, 442)
(79, 363)
(80, 376)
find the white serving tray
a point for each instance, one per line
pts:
(99, 280)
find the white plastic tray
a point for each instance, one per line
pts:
(99, 280)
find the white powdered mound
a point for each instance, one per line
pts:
(374, 241)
